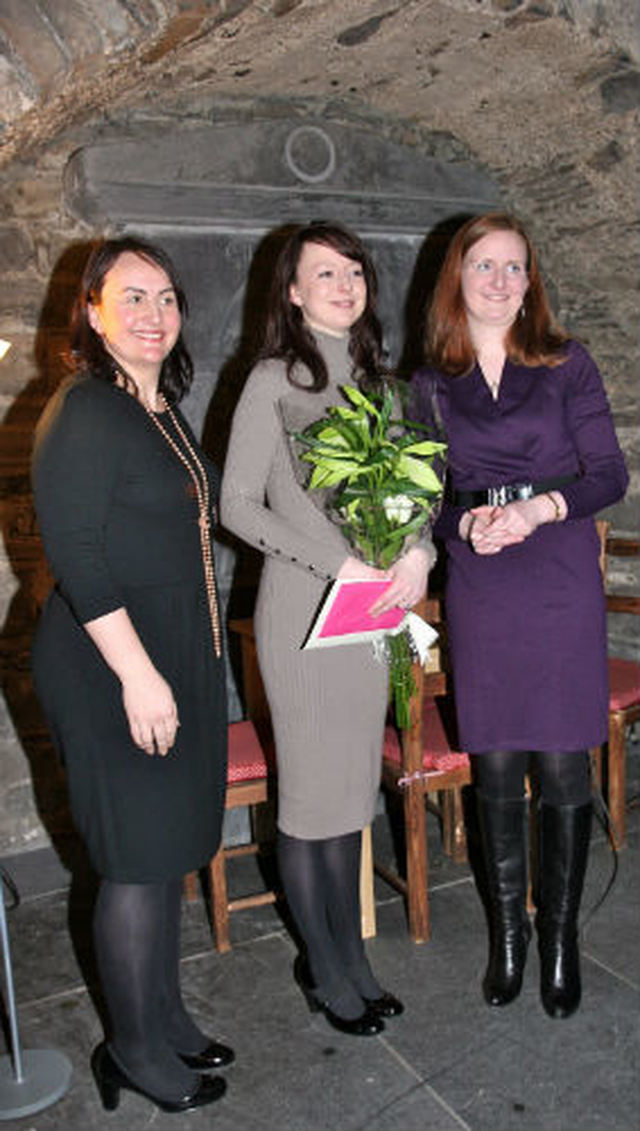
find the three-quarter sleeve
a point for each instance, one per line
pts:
(76, 463)
(603, 477)
(255, 444)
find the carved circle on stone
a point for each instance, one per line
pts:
(310, 154)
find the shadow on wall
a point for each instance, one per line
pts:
(235, 370)
(420, 290)
(24, 549)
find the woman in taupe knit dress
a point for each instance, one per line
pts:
(327, 706)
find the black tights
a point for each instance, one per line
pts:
(562, 778)
(321, 880)
(137, 940)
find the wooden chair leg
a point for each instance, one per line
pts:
(219, 901)
(595, 755)
(190, 887)
(447, 819)
(415, 824)
(454, 835)
(617, 776)
(367, 895)
(459, 847)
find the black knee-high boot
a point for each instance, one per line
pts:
(502, 826)
(564, 834)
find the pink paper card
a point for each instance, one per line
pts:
(344, 617)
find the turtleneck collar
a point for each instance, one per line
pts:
(335, 352)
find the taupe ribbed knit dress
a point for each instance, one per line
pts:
(327, 705)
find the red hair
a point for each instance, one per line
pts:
(533, 339)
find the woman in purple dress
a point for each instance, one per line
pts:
(533, 457)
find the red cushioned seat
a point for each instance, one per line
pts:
(247, 760)
(438, 756)
(624, 683)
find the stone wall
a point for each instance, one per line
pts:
(618, 19)
(540, 98)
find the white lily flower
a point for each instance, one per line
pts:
(398, 508)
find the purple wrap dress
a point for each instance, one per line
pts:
(527, 626)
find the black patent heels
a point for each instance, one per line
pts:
(110, 1080)
(368, 1024)
(215, 1055)
(387, 1005)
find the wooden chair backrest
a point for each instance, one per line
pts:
(616, 547)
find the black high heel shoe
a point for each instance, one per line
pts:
(368, 1024)
(215, 1055)
(385, 1006)
(110, 1079)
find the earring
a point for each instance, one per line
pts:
(522, 311)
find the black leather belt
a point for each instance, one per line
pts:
(509, 492)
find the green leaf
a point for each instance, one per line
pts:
(358, 398)
(425, 448)
(420, 473)
(325, 477)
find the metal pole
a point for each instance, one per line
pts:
(43, 1076)
(11, 1000)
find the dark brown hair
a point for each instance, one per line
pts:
(286, 334)
(88, 349)
(533, 339)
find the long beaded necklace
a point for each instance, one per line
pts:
(201, 485)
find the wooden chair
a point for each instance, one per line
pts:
(250, 775)
(417, 764)
(250, 772)
(624, 691)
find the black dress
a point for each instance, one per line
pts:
(118, 517)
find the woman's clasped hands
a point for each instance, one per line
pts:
(490, 529)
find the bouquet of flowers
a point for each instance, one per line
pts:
(376, 471)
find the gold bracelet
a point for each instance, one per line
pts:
(558, 513)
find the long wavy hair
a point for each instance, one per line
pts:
(88, 350)
(534, 338)
(286, 334)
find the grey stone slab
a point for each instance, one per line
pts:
(446, 1019)
(37, 873)
(552, 1075)
(45, 960)
(610, 936)
(292, 1067)
(419, 1109)
(249, 174)
(449, 1062)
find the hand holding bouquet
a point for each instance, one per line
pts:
(376, 471)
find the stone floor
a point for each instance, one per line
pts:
(450, 1062)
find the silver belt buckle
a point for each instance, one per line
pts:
(497, 496)
(508, 492)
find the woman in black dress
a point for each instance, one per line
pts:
(127, 657)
